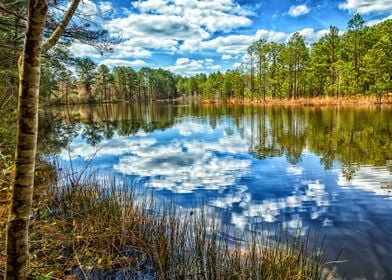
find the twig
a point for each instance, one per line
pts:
(81, 267)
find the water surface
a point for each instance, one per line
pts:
(326, 169)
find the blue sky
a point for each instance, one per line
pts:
(193, 36)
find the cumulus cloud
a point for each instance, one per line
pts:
(232, 44)
(87, 8)
(370, 179)
(129, 49)
(106, 7)
(376, 21)
(174, 25)
(296, 11)
(308, 194)
(151, 43)
(114, 147)
(367, 6)
(294, 170)
(219, 15)
(184, 27)
(270, 35)
(122, 62)
(311, 35)
(80, 49)
(235, 45)
(188, 67)
(310, 197)
(227, 57)
(155, 26)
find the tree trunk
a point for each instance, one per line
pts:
(29, 78)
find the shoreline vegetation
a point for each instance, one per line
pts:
(306, 101)
(101, 229)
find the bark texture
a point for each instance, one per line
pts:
(29, 77)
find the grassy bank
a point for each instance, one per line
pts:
(310, 101)
(99, 231)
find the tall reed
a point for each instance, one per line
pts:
(103, 229)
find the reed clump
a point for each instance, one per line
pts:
(108, 230)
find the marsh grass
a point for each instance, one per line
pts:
(102, 229)
(108, 230)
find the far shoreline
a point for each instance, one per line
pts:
(386, 100)
(305, 101)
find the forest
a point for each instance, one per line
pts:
(340, 64)
(84, 228)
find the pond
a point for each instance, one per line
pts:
(326, 169)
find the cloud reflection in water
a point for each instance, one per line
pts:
(180, 161)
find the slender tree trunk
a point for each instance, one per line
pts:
(29, 78)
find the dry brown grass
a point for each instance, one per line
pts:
(100, 231)
(309, 101)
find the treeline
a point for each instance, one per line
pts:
(357, 62)
(100, 84)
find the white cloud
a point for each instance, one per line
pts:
(369, 179)
(106, 7)
(219, 15)
(272, 210)
(270, 35)
(238, 195)
(122, 62)
(214, 67)
(152, 43)
(116, 146)
(232, 45)
(296, 11)
(155, 26)
(128, 49)
(311, 35)
(377, 21)
(294, 170)
(227, 57)
(367, 6)
(79, 49)
(87, 8)
(189, 67)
